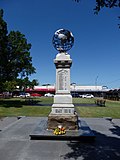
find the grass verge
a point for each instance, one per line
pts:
(25, 111)
(18, 107)
(98, 112)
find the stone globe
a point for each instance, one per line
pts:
(63, 40)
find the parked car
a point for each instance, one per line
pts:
(23, 95)
(87, 96)
(81, 96)
(35, 95)
(76, 95)
(49, 95)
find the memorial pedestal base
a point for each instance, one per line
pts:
(70, 122)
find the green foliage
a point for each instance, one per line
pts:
(15, 59)
(3, 44)
(104, 3)
(10, 86)
(19, 56)
(33, 83)
(24, 83)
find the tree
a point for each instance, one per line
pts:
(105, 4)
(15, 59)
(19, 56)
(26, 83)
(34, 83)
(3, 44)
(10, 86)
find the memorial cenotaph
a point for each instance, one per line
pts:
(63, 111)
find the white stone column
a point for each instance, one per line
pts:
(63, 99)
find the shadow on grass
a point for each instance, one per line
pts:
(30, 101)
(103, 148)
(10, 103)
(17, 103)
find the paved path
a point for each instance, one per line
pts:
(15, 143)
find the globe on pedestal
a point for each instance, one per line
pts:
(63, 40)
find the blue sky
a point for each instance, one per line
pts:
(96, 51)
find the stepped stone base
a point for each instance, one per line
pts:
(70, 122)
(84, 133)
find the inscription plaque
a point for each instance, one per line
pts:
(58, 110)
(63, 110)
(62, 78)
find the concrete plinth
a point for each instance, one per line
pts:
(84, 133)
(70, 122)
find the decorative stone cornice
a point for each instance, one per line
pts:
(63, 63)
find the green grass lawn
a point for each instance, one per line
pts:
(19, 107)
(113, 112)
(112, 109)
(25, 111)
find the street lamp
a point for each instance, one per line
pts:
(96, 82)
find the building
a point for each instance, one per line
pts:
(97, 91)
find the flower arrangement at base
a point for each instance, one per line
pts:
(59, 130)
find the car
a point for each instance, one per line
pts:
(81, 96)
(87, 96)
(75, 95)
(27, 94)
(49, 95)
(35, 95)
(23, 95)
